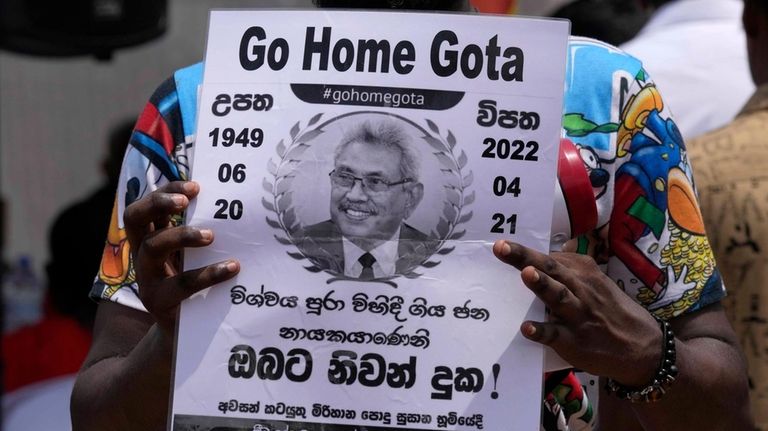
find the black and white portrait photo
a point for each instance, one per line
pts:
(375, 187)
(368, 199)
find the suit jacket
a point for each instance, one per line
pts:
(321, 243)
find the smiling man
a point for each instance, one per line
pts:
(374, 188)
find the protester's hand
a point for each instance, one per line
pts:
(593, 324)
(155, 246)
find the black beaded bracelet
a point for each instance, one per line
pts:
(663, 379)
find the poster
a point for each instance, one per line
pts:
(360, 166)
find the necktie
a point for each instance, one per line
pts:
(367, 260)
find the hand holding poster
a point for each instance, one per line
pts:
(359, 165)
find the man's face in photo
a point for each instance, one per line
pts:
(367, 216)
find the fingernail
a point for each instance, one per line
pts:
(179, 200)
(504, 248)
(529, 330)
(231, 266)
(206, 234)
(189, 186)
(536, 276)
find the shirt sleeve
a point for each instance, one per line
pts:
(660, 254)
(649, 236)
(156, 155)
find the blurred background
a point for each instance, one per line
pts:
(73, 77)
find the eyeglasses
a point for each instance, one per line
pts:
(371, 183)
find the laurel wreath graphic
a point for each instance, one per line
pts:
(456, 182)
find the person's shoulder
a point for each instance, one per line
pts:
(584, 52)
(750, 125)
(191, 76)
(195, 69)
(411, 233)
(322, 229)
(322, 244)
(722, 132)
(176, 100)
(187, 77)
(597, 77)
(581, 42)
(741, 140)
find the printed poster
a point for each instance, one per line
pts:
(360, 166)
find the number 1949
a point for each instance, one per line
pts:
(246, 137)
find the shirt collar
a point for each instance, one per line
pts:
(385, 254)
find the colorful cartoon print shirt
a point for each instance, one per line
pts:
(648, 232)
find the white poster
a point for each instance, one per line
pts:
(360, 166)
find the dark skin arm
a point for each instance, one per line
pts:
(124, 383)
(696, 333)
(598, 328)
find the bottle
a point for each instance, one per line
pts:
(22, 295)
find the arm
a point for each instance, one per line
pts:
(125, 381)
(598, 328)
(711, 390)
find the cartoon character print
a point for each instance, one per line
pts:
(641, 187)
(598, 176)
(655, 182)
(149, 162)
(651, 182)
(115, 260)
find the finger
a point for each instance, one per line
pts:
(520, 256)
(550, 334)
(175, 289)
(570, 246)
(167, 200)
(160, 246)
(158, 206)
(162, 222)
(188, 190)
(555, 295)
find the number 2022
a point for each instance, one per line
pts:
(514, 150)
